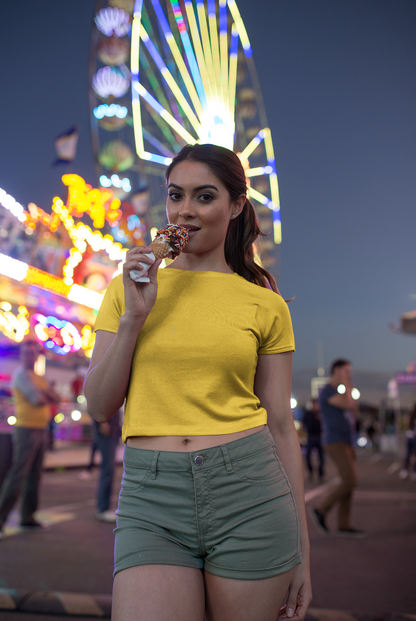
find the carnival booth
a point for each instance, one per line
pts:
(54, 269)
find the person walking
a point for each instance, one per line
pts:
(339, 411)
(311, 422)
(106, 437)
(410, 448)
(211, 516)
(33, 396)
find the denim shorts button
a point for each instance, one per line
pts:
(199, 460)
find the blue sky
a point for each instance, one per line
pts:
(339, 89)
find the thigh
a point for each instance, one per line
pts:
(159, 593)
(343, 456)
(245, 600)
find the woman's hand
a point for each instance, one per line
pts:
(139, 297)
(300, 595)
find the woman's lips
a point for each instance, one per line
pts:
(191, 232)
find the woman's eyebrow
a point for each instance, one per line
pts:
(199, 187)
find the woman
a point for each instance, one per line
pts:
(208, 522)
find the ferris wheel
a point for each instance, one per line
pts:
(165, 73)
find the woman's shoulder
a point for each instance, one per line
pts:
(263, 295)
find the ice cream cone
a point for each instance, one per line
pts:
(160, 248)
(168, 242)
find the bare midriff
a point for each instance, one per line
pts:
(186, 443)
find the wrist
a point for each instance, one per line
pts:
(132, 324)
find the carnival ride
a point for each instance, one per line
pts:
(164, 73)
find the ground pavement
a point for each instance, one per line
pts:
(373, 578)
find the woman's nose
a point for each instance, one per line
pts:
(186, 210)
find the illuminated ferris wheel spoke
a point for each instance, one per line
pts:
(213, 31)
(200, 7)
(223, 49)
(232, 81)
(177, 55)
(166, 74)
(198, 49)
(190, 56)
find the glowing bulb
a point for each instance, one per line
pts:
(59, 418)
(81, 399)
(76, 415)
(12, 420)
(341, 389)
(293, 403)
(355, 394)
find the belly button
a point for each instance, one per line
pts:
(186, 441)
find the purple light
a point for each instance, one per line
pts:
(113, 21)
(110, 81)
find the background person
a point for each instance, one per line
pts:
(336, 410)
(207, 520)
(410, 447)
(106, 437)
(33, 396)
(311, 422)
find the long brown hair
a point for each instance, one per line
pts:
(244, 229)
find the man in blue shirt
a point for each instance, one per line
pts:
(338, 410)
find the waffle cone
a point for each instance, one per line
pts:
(160, 249)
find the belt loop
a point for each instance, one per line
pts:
(153, 465)
(226, 456)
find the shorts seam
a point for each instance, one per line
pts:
(163, 561)
(254, 570)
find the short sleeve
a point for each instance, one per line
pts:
(275, 326)
(326, 393)
(112, 306)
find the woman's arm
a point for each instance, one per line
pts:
(273, 387)
(108, 376)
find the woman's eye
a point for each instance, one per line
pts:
(174, 196)
(205, 198)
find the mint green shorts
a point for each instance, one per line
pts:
(228, 510)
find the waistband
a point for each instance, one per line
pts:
(202, 459)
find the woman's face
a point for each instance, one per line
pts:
(198, 199)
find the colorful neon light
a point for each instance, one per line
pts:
(110, 110)
(110, 81)
(113, 21)
(15, 327)
(58, 335)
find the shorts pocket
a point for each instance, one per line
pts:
(262, 467)
(133, 479)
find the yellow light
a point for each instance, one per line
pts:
(198, 47)
(12, 420)
(6, 306)
(213, 30)
(81, 399)
(184, 73)
(206, 47)
(232, 80)
(59, 418)
(242, 32)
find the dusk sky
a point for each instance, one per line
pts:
(338, 82)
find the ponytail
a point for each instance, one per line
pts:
(239, 248)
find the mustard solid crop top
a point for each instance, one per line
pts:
(195, 359)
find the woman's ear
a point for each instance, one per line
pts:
(238, 205)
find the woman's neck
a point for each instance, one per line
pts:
(200, 263)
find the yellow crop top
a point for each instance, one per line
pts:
(196, 356)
